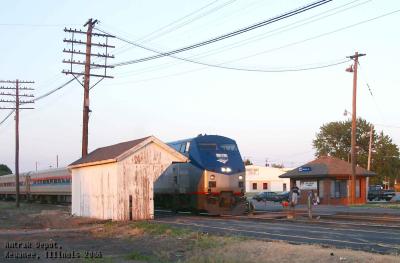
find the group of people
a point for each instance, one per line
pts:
(295, 194)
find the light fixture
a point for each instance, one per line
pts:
(212, 177)
(240, 177)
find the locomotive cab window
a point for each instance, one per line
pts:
(208, 146)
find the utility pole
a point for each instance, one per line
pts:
(369, 159)
(16, 107)
(353, 128)
(87, 70)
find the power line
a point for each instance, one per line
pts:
(274, 32)
(148, 37)
(36, 25)
(324, 34)
(235, 68)
(41, 97)
(273, 49)
(228, 35)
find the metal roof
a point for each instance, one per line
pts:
(108, 152)
(325, 166)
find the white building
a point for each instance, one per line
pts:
(261, 179)
(116, 182)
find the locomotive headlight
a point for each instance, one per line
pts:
(228, 170)
(223, 169)
(240, 177)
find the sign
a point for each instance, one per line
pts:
(305, 169)
(222, 157)
(310, 185)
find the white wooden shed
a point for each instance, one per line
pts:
(116, 182)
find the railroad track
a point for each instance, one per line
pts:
(355, 220)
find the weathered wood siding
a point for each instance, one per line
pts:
(94, 191)
(136, 176)
(102, 191)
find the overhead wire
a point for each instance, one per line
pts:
(262, 36)
(323, 34)
(228, 35)
(270, 50)
(235, 68)
(40, 97)
(149, 36)
(224, 48)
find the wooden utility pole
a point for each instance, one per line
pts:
(370, 147)
(87, 71)
(353, 129)
(369, 159)
(86, 82)
(16, 107)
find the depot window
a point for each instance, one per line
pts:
(254, 186)
(212, 184)
(265, 186)
(338, 188)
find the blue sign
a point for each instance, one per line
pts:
(305, 169)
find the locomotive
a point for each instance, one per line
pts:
(213, 180)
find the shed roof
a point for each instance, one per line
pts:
(325, 166)
(118, 151)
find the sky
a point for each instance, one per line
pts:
(271, 115)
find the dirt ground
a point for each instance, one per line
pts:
(49, 232)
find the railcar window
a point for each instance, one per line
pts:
(228, 147)
(208, 146)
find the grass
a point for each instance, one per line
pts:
(160, 229)
(137, 256)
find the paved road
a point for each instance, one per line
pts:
(367, 238)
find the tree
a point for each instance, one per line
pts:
(334, 139)
(4, 170)
(247, 162)
(276, 165)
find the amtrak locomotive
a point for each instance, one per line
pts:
(212, 181)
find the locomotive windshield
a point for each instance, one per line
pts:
(208, 146)
(215, 147)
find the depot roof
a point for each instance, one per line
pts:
(325, 166)
(116, 152)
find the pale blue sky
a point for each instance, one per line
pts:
(270, 115)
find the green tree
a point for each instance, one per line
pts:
(334, 139)
(4, 170)
(276, 165)
(247, 162)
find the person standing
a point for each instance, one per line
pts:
(295, 194)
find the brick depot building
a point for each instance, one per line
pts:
(329, 177)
